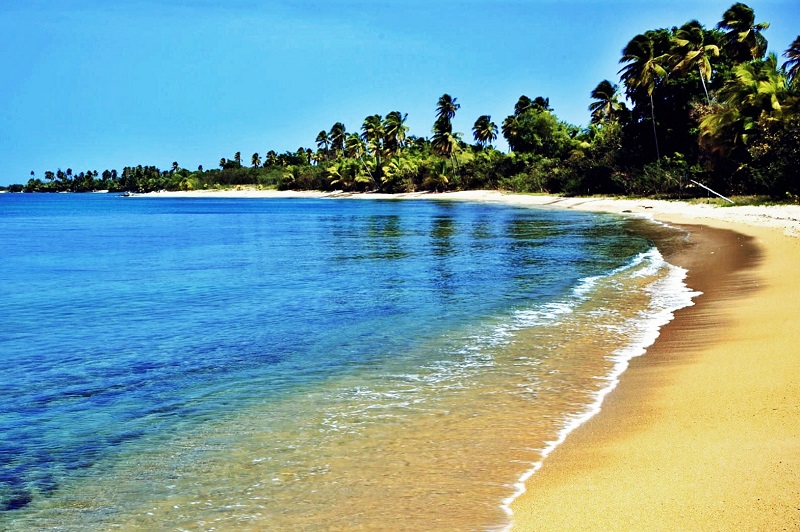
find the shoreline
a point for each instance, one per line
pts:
(702, 431)
(785, 217)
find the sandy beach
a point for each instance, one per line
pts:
(703, 432)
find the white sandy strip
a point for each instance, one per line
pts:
(786, 217)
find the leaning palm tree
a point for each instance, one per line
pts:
(690, 50)
(744, 37)
(606, 105)
(484, 131)
(792, 65)
(642, 71)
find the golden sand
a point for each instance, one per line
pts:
(703, 433)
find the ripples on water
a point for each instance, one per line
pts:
(215, 363)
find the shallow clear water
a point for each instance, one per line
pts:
(295, 363)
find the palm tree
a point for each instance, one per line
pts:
(792, 65)
(756, 92)
(354, 146)
(394, 129)
(642, 72)
(484, 131)
(256, 160)
(323, 142)
(444, 142)
(757, 85)
(744, 36)
(690, 50)
(511, 131)
(523, 104)
(373, 133)
(337, 137)
(238, 158)
(542, 104)
(446, 107)
(607, 104)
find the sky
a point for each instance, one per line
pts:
(104, 84)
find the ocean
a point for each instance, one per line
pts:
(273, 364)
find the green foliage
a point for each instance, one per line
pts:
(538, 131)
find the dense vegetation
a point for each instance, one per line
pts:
(705, 104)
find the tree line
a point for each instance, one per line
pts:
(704, 104)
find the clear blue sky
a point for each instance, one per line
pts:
(97, 84)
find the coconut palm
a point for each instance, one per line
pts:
(541, 104)
(394, 130)
(373, 133)
(690, 50)
(238, 158)
(758, 86)
(445, 143)
(792, 65)
(757, 91)
(337, 137)
(447, 107)
(323, 141)
(354, 146)
(607, 104)
(484, 131)
(523, 104)
(511, 131)
(399, 171)
(642, 71)
(255, 160)
(744, 37)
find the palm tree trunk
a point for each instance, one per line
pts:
(702, 79)
(655, 136)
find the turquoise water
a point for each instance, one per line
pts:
(164, 353)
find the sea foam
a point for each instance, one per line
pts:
(668, 293)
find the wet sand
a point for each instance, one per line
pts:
(703, 432)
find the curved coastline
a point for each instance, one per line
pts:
(703, 430)
(671, 294)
